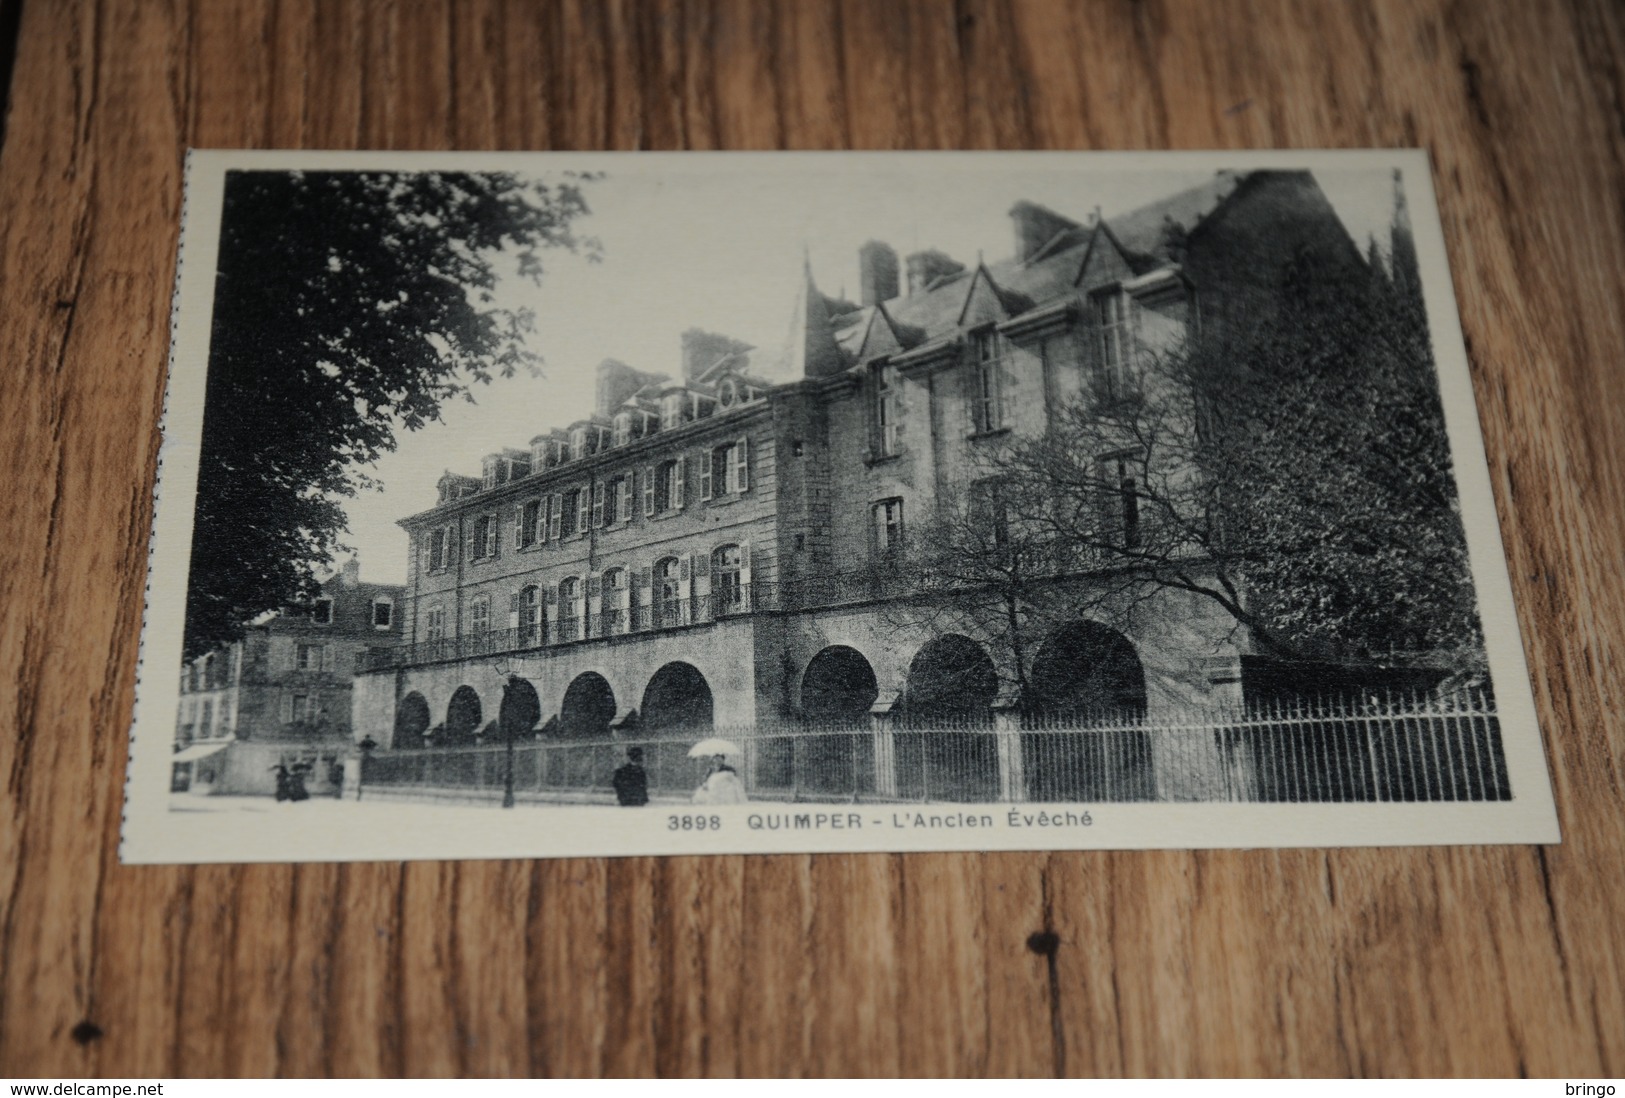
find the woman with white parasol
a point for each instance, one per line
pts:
(722, 784)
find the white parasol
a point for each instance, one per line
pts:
(713, 746)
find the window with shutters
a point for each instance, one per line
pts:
(530, 523)
(434, 624)
(578, 443)
(987, 366)
(614, 606)
(569, 620)
(482, 538)
(668, 593)
(620, 499)
(530, 616)
(623, 428)
(437, 550)
(725, 470)
(570, 514)
(888, 526)
(887, 427)
(598, 505)
(727, 581)
(668, 487)
(1118, 350)
(310, 657)
(1121, 502)
(488, 472)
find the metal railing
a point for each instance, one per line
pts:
(1377, 750)
(568, 629)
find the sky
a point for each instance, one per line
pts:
(721, 247)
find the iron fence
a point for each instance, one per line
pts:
(1429, 749)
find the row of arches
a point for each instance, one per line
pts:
(942, 746)
(677, 700)
(1082, 667)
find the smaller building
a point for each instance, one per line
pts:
(280, 696)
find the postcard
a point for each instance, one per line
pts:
(542, 505)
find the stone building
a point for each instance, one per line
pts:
(699, 552)
(282, 692)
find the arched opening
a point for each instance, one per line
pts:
(838, 685)
(588, 707)
(677, 702)
(411, 721)
(951, 680)
(1085, 701)
(946, 752)
(1085, 669)
(463, 716)
(521, 708)
(835, 752)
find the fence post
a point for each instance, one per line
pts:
(882, 722)
(1007, 732)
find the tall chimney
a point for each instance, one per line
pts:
(877, 273)
(1036, 226)
(926, 267)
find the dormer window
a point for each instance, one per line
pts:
(623, 428)
(518, 466)
(728, 392)
(987, 383)
(1114, 313)
(489, 472)
(538, 456)
(671, 410)
(578, 443)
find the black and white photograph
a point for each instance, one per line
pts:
(543, 505)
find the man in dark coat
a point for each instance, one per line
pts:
(631, 781)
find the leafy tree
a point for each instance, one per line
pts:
(1289, 464)
(348, 306)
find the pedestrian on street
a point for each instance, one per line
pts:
(631, 781)
(722, 786)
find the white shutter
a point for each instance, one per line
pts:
(702, 587)
(677, 482)
(648, 491)
(595, 604)
(583, 507)
(705, 473)
(598, 505)
(473, 546)
(493, 525)
(519, 526)
(623, 499)
(426, 548)
(513, 610)
(685, 588)
(742, 465)
(745, 595)
(551, 611)
(555, 518)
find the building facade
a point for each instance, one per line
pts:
(281, 694)
(701, 551)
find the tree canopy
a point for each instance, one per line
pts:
(1286, 460)
(348, 306)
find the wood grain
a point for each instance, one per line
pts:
(1491, 961)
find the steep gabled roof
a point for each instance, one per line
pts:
(1140, 230)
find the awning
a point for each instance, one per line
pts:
(198, 751)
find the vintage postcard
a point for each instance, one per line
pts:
(534, 505)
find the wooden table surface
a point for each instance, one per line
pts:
(1481, 961)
